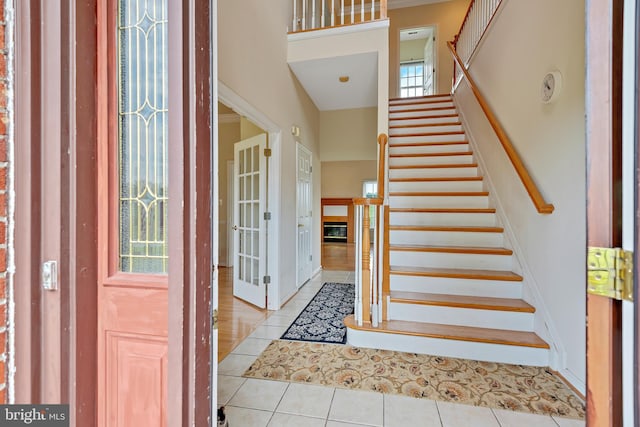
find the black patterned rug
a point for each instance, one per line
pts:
(322, 320)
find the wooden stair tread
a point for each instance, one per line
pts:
(419, 110)
(438, 193)
(456, 273)
(441, 154)
(438, 179)
(443, 210)
(460, 333)
(436, 116)
(452, 249)
(425, 125)
(463, 228)
(420, 101)
(463, 301)
(449, 165)
(411, 135)
(443, 95)
(427, 144)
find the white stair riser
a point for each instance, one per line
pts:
(435, 186)
(403, 114)
(450, 260)
(500, 353)
(446, 238)
(424, 120)
(426, 138)
(421, 218)
(431, 160)
(421, 106)
(439, 201)
(492, 319)
(454, 286)
(425, 129)
(418, 99)
(433, 172)
(425, 149)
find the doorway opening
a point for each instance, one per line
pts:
(417, 62)
(245, 237)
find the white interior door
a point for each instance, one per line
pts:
(304, 212)
(249, 227)
(429, 66)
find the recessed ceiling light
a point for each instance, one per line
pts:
(343, 79)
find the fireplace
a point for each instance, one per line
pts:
(335, 232)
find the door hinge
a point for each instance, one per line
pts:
(266, 280)
(214, 319)
(310, 169)
(267, 216)
(310, 257)
(267, 152)
(610, 273)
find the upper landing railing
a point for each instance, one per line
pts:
(318, 14)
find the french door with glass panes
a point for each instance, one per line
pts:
(250, 170)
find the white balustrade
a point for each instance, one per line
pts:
(306, 13)
(473, 27)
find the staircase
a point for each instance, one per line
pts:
(453, 291)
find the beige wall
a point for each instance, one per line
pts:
(411, 50)
(344, 179)
(508, 68)
(446, 17)
(252, 61)
(248, 129)
(348, 134)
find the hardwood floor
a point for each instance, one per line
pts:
(236, 319)
(338, 256)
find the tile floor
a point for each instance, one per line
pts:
(261, 403)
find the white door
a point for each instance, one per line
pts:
(249, 240)
(429, 66)
(304, 213)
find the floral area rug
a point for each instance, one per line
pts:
(495, 385)
(322, 320)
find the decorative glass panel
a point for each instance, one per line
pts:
(142, 141)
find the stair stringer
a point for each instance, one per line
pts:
(544, 326)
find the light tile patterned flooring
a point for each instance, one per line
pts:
(260, 403)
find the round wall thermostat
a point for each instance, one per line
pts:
(551, 86)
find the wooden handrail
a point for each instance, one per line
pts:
(367, 201)
(382, 143)
(534, 193)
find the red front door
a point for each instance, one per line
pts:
(133, 213)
